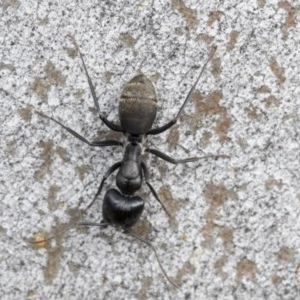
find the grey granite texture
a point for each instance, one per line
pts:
(235, 231)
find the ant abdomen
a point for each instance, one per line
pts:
(138, 105)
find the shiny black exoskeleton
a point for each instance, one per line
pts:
(137, 112)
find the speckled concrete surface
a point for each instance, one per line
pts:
(236, 230)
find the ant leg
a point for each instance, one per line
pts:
(170, 159)
(113, 168)
(108, 123)
(174, 121)
(80, 137)
(179, 161)
(147, 176)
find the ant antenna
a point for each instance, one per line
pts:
(154, 250)
(104, 224)
(40, 241)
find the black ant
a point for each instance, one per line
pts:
(137, 112)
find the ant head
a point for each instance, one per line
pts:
(121, 210)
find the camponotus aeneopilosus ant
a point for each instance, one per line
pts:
(137, 112)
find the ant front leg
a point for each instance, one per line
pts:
(80, 137)
(109, 124)
(113, 168)
(147, 176)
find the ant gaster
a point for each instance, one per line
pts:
(137, 112)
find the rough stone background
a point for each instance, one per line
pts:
(236, 227)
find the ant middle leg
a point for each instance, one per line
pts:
(180, 161)
(80, 137)
(171, 159)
